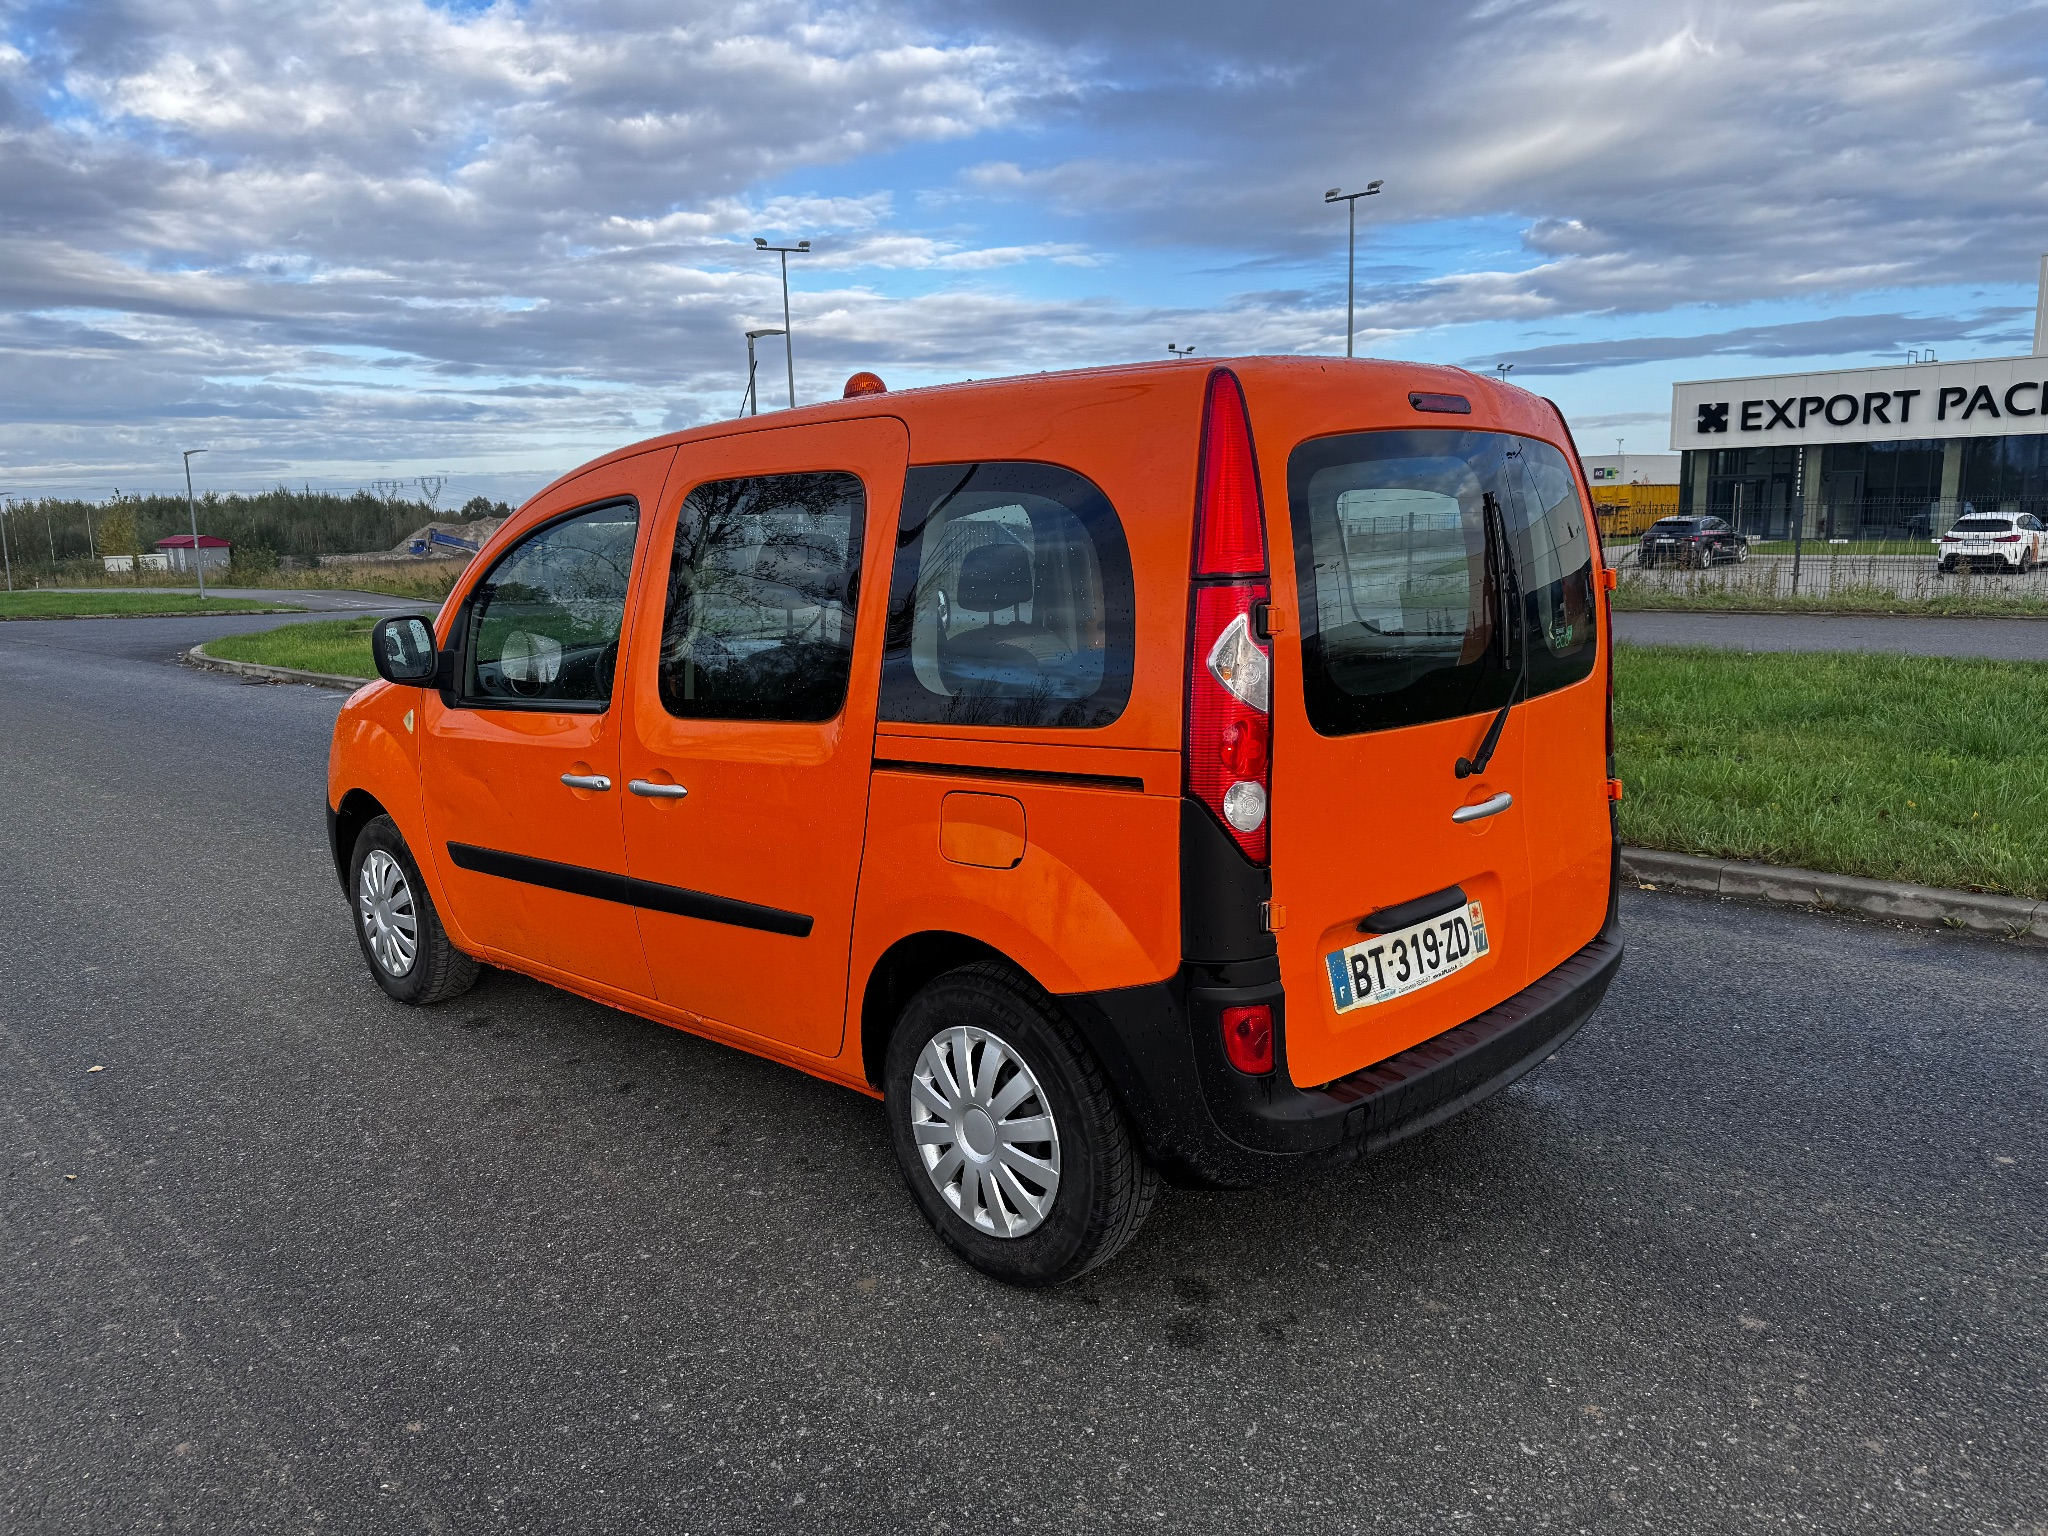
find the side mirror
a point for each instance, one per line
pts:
(403, 650)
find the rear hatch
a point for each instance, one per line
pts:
(1440, 832)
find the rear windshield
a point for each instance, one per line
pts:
(1675, 525)
(1983, 525)
(1436, 567)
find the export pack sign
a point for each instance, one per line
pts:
(1992, 398)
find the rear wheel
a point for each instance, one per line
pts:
(1006, 1132)
(396, 924)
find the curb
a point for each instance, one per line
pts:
(2003, 917)
(197, 657)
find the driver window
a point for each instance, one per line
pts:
(543, 627)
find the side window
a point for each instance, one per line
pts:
(761, 595)
(1010, 603)
(543, 625)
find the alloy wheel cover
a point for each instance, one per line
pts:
(984, 1131)
(390, 921)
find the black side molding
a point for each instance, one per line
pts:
(1026, 775)
(1420, 910)
(627, 891)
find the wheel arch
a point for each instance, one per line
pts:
(900, 972)
(345, 824)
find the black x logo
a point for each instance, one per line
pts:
(1713, 418)
(1781, 410)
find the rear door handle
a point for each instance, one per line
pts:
(586, 781)
(654, 791)
(1483, 809)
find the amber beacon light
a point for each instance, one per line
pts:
(864, 384)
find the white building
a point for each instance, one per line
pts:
(1894, 452)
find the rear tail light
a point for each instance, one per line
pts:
(1230, 665)
(1248, 1038)
(2007, 538)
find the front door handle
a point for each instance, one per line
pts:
(586, 781)
(1483, 809)
(654, 791)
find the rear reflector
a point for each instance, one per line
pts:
(1454, 405)
(1230, 536)
(1248, 1038)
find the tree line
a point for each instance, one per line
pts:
(301, 525)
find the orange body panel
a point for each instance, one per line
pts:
(1363, 822)
(492, 778)
(776, 810)
(1058, 848)
(1074, 919)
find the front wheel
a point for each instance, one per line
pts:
(396, 924)
(1006, 1132)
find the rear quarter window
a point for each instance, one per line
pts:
(1010, 602)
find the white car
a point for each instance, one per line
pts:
(1993, 541)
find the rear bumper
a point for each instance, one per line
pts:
(1206, 1125)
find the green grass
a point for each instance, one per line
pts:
(1821, 549)
(134, 605)
(340, 646)
(1635, 595)
(1896, 767)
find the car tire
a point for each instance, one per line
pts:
(385, 893)
(1021, 1049)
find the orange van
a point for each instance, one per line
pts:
(1176, 773)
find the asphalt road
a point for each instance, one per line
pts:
(1763, 1250)
(2005, 639)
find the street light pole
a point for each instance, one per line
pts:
(753, 394)
(192, 509)
(5, 554)
(1350, 199)
(801, 248)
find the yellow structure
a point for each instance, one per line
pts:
(1623, 511)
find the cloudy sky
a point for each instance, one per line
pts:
(339, 242)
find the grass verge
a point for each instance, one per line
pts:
(130, 605)
(1707, 597)
(1918, 768)
(340, 646)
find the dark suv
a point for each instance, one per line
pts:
(1691, 541)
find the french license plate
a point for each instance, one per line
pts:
(1390, 965)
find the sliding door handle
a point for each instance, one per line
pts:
(586, 781)
(1483, 809)
(654, 791)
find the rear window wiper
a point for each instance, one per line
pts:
(1468, 766)
(1502, 562)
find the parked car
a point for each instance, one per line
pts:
(1992, 541)
(1699, 541)
(1166, 773)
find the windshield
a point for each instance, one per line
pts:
(1983, 525)
(1436, 567)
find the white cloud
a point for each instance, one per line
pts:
(331, 234)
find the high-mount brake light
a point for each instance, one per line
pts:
(1230, 663)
